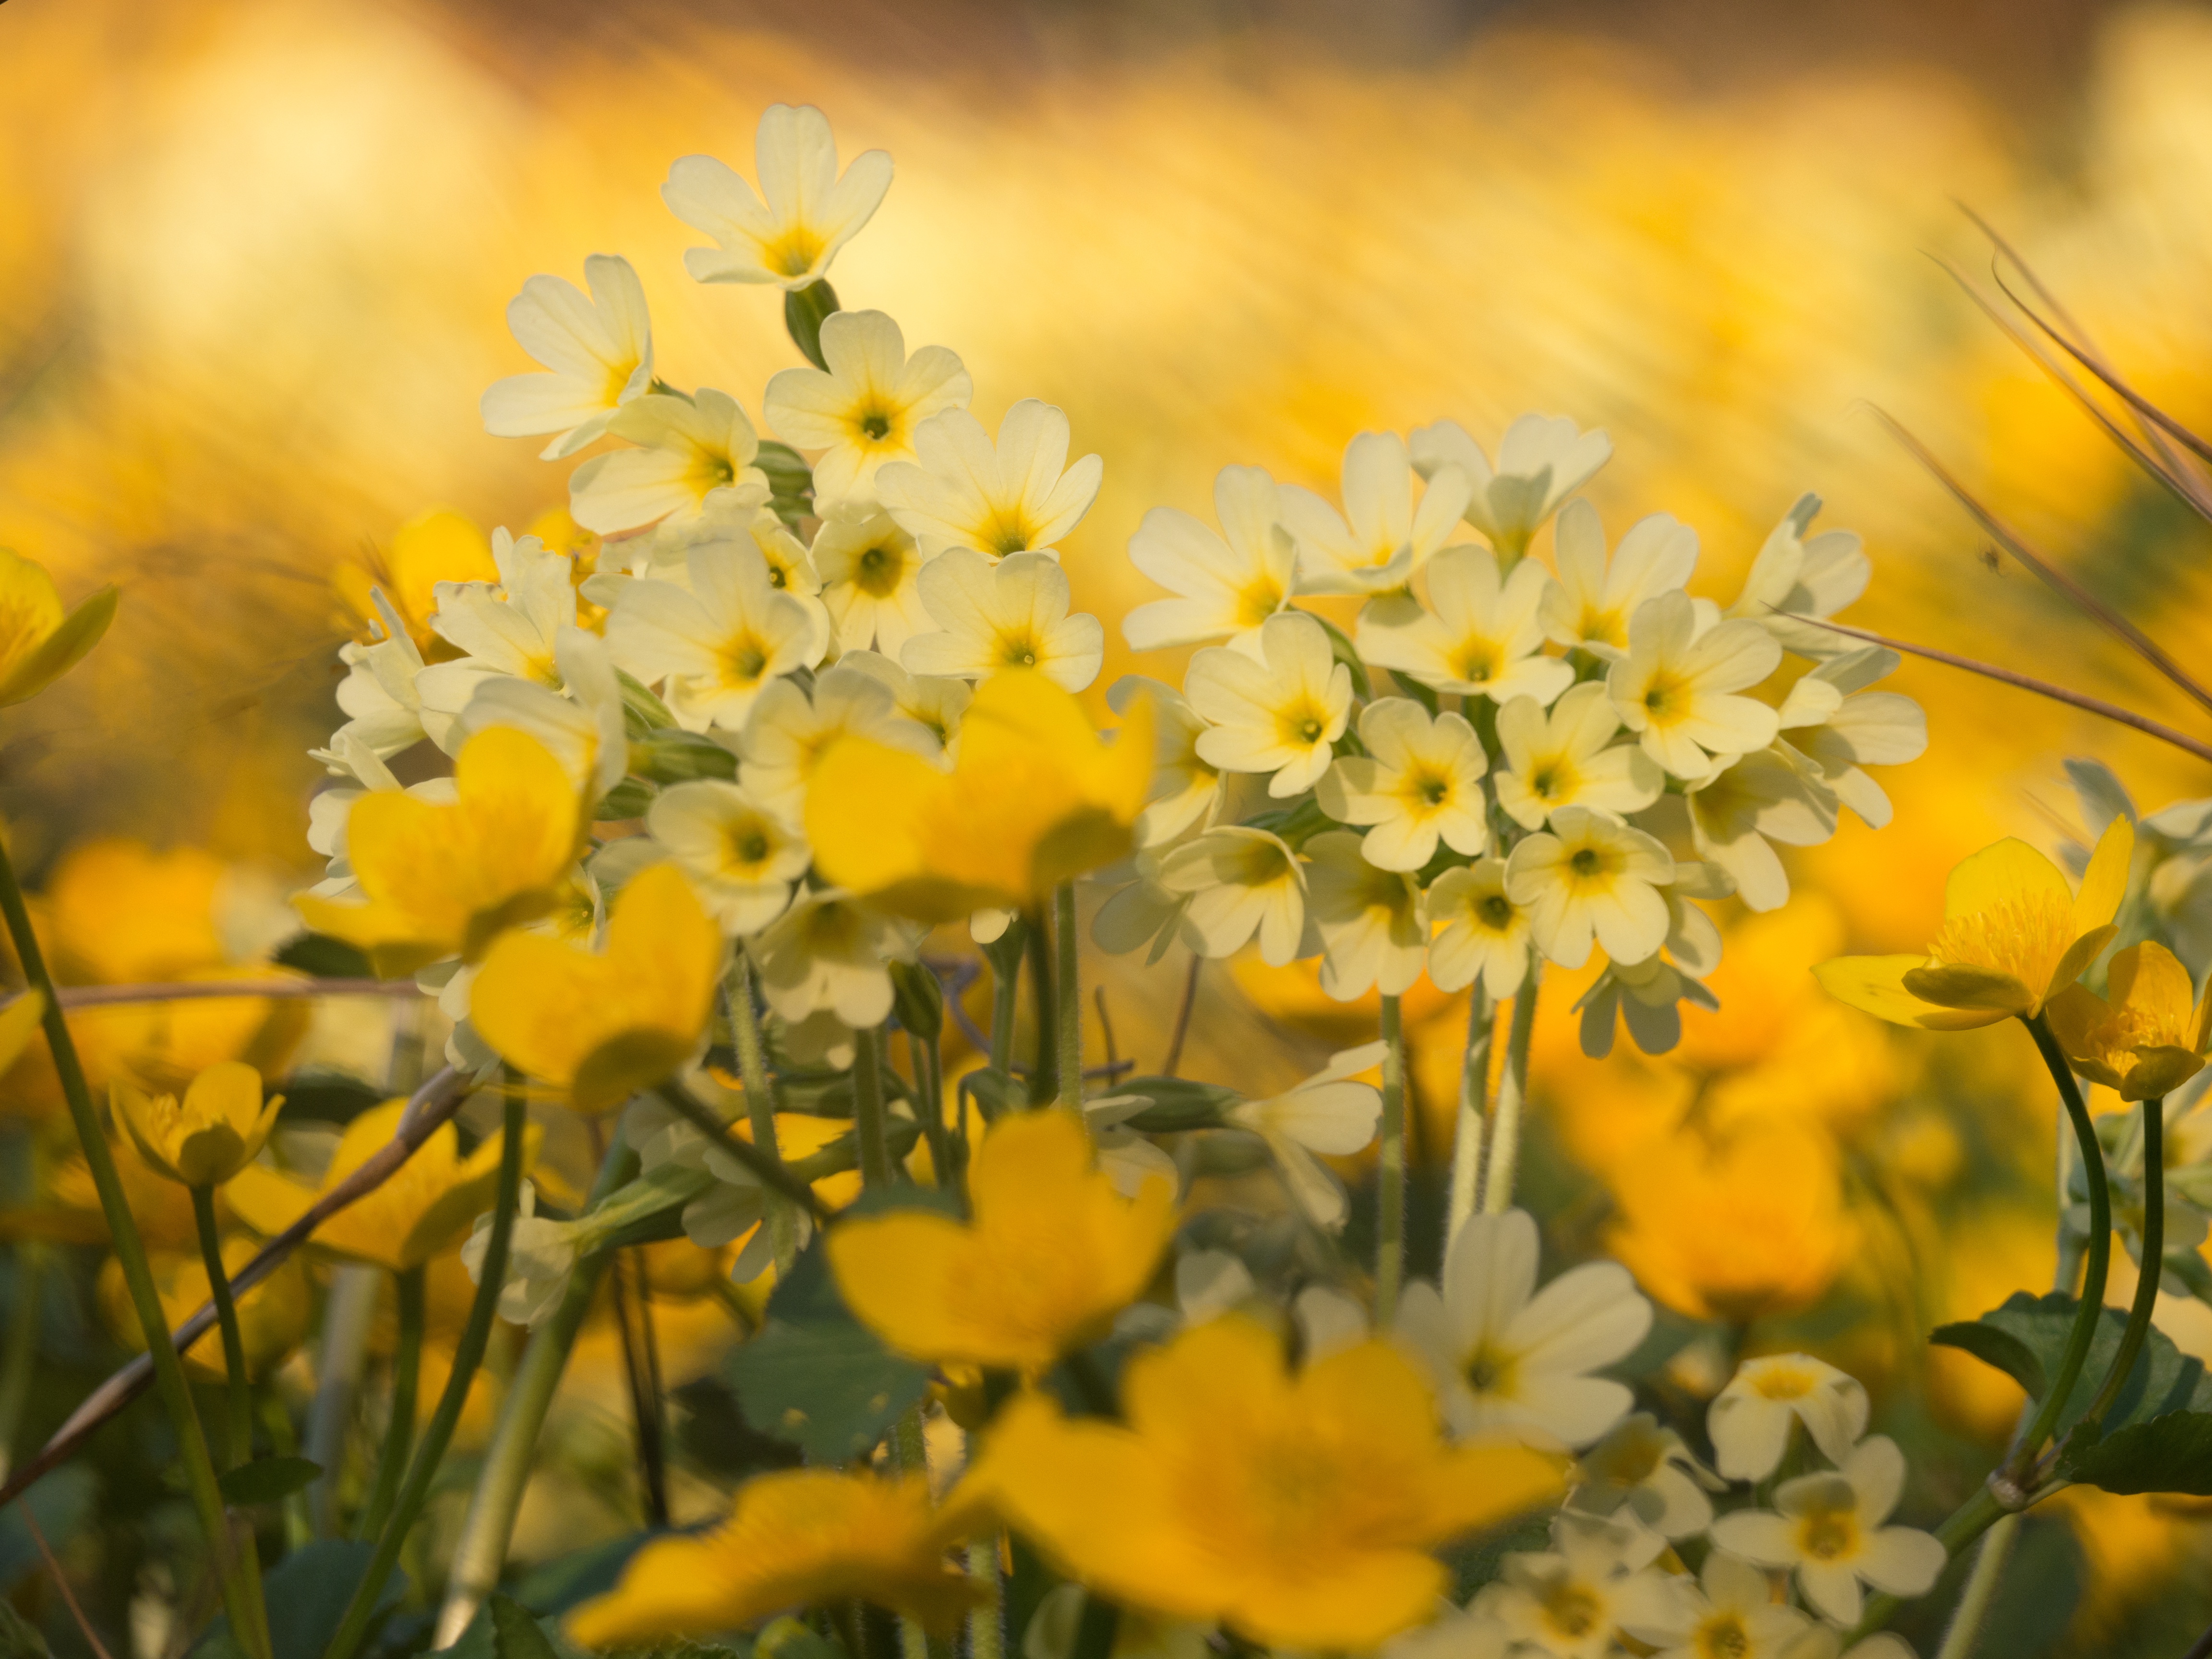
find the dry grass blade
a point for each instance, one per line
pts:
(62, 1583)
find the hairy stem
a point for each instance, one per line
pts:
(1390, 1174)
(1044, 1074)
(238, 1391)
(1981, 1590)
(870, 1130)
(1071, 1004)
(760, 1100)
(1502, 1154)
(399, 1432)
(1474, 1106)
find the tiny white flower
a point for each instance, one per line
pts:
(1591, 877)
(827, 954)
(1329, 1113)
(1008, 613)
(1832, 728)
(383, 708)
(1381, 538)
(1589, 605)
(1373, 930)
(1646, 1470)
(1568, 1602)
(1739, 809)
(540, 1254)
(868, 568)
(1126, 1156)
(597, 354)
(1793, 577)
(862, 411)
(1419, 782)
(1475, 634)
(786, 733)
(1230, 582)
(1278, 713)
(1568, 758)
(1727, 1612)
(688, 448)
(1509, 1358)
(1829, 1527)
(1016, 496)
(1479, 931)
(1541, 460)
(742, 858)
(1240, 882)
(1677, 684)
(717, 641)
(935, 702)
(806, 211)
(584, 730)
(1186, 787)
(1749, 1420)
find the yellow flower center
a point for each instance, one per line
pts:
(1554, 780)
(1783, 1382)
(873, 422)
(1018, 650)
(617, 379)
(1495, 913)
(743, 660)
(1489, 1371)
(1722, 1637)
(1591, 869)
(2023, 938)
(1302, 724)
(1259, 600)
(1667, 700)
(1424, 789)
(878, 572)
(1602, 626)
(793, 254)
(750, 846)
(1475, 662)
(1829, 1534)
(1629, 1458)
(1008, 530)
(1571, 1610)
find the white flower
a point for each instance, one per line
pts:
(1372, 928)
(1728, 1613)
(786, 733)
(1327, 1113)
(1832, 728)
(1278, 713)
(741, 857)
(1126, 1156)
(1008, 613)
(1240, 882)
(1230, 582)
(1457, 1634)
(1676, 685)
(1567, 1603)
(933, 701)
(504, 628)
(1511, 1359)
(689, 447)
(1589, 605)
(1018, 495)
(1541, 460)
(1479, 931)
(1647, 1470)
(1738, 809)
(828, 954)
(1565, 760)
(862, 411)
(1419, 782)
(1211, 1283)
(1381, 538)
(1144, 915)
(1649, 994)
(1792, 577)
(804, 212)
(1186, 787)
(1829, 1527)
(716, 643)
(383, 708)
(1591, 876)
(1749, 1420)
(1475, 634)
(597, 352)
(583, 730)
(867, 567)
(540, 1254)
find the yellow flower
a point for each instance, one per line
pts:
(208, 1136)
(796, 1538)
(272, 1316)
(416, 1214)
(603, 1027)
(39, 642)
(437, 546)
(442, 879)
(2013, 936)
(1053, 1253)
(2146, 1039)
(1299, 1510)
(1036, 800)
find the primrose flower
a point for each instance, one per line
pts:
(1017, 495)
(1278, 712)
(795, 1538)
(827, 953)
(1676, 685)
(597, 352)
(1481, 932)
(1648, 1471)
(1737, 810)
(805, 210)
(935, 702)
(1371, 921)
(1541, 460)
(1419, 782)
(40, 641)
(1568, 758)
(1587, 608)
(1327, 1112)
(1568, 1602)
(1829, 1527)
(602, 1027)
(507, 629)
(1186, 789)
(741, 857)
(999, 614)
(1240, 882)
(2013, 938)
(442, 879)
(210, 1135)
(1792, 577)
(894, 829)
(1477, 635)
(717, 643)
(1511, 1359)
(383, 708)
(1186, 1511)
(688, 448)
(1647, 995)
(584, 730)
(862, 410)
(418, 1214)
(1832, 728)
(1382, 537)
(1591, 877)
(1749, 1421)
(1729, 1611)
(788, 732)
(1053, 1253)
(868, 567)
(1228, 582)
(2142, 1038)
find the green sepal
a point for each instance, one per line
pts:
(804, 311)
(918, 999)
(676, 756)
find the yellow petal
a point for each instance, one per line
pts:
(868, 808)
(19, 1023)
(61, 650)
(2146, 978)
(30, 611)
(2078, 956)
(2006, 872)
(229, 1093)
(2104, 882)
(2159, 1070)
(135, 1111)
(2076, 1013)
(1967, 985)
(1361, 1602)
(899, 1274)
(1875, 985)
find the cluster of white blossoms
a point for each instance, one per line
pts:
(1501, 758)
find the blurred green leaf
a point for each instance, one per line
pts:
(503, 1629)
(678, 756)
(918, 999)
(831, 1389)
(267, 1480)
(1178, 1102)
(324, 957)
(19, 1639)
(307, 1593)
(2026, 1339)
(562, 1582)
(2168, 1454)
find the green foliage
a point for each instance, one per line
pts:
(321, 957)
(627, 800)
(2025, 1337)
(503, 1629)
(804, 311)
(996, 1093)
(267, 1480)
(790, 480)
(918, 999)
(1177, 1103)
(676, 756)
(19, 1639)
(61, 1504)
(2168, 1454)
(643, 712)
(307, 1593)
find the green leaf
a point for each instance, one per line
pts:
(267, 1480)
(785, 1638)
(2026, 1339)
(804, 311)
(567, 1581)
(832, 1389)
(678, 756)
(325, 957)
(996, 1093)
(2168, 1454)
(1423, 695)
(19, 1639)
(307, 1593)
(503, 1629)
(643, 712)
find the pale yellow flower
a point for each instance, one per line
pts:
(1419, 782)
(1541, 460)
(1016, 496)
(1569, 759)
(597, 354)
(805, 210)
(1382, 536)
(1280, 712)
(1589, 605)
(1591, 877)
(686, 448)
(862, 410)
(1228, 582)
(1677, 686)
(1475, 634)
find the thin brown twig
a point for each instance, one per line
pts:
(1182, 1017)
(62, 1583)
(102, 996)
(430, 1106)
(1106, 1024)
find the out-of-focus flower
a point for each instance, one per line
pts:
(795, 1538)
(1728, 1610)
(1588, 606)
(2142, 1037)
(742, 857)
(597, 352)
(40, 641)
(506, 628)
(1749, 1421)
(805, 210)
(1646, 1470)
(718, 641)
(2013, 937)
(1647, 996)
(1186, 1511)
(1568, 1602)
(890, 826)
(1829, 1529)
(1240, 882)
(935, 702)
(1509, 1359)
(1541, 460)
(1590, 877)
(1569, 759)
(1053, 1253)
(1476, 633)
(870, 572)
(1833, 728)
(1419, 782)
(439, 545)
(581, 725)
(1228, 582)
(1329, 1113)
(686, 449)
(1381, 538)
(788, 732)
(1676, 685)
(1791, 577)
(1016, 496)
(272, 1315)
(1737, 810)
(1186, 787)
(1279, 711)
(442, 879)
(862, 410)
(993, 614)
(1372, 927)
(1479, 931)
(828, 953)
(206, 1138)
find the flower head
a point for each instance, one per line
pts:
(862, 410)
(40, 641)
(1729, 1611)
(1372, 927)
(1419, 782)
(788, 732)
(1278, 712)
(1382, 537)
(805, 210)
(869, 569)
(1478, 634)
(1645, 1469)
(828, 953)
(1568, 758)
(1749, 1421)
(1240, 882)
(1016, 496)
(1833, 728)
(1588, 607)
(1792, 577)
(1480, 931)
(598, 354)
(1541, 460)
(1737, 810)
(1228, 582)
(687, 449)
(1568, 1602)
(741, 857)
(1591, 877)
(1052, 1254)
(1185, 788)
(1000, 614)
(1677, 686)
(202, 1139)
(1329, 1112)
(2142, 1038)
(1829, 1527)
(717, 643)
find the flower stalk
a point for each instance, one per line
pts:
(870, 1131)
(1503, 1153)
(760, 1099)
(238, 1392)
(1044, 1072)
(400, 1432)
(1390, 1175)
(2153, 1256)
(1071, 1004)
(1474, 1105)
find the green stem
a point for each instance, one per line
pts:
(400, 1432)
(27, 1297)
(871, 1132)
(2154, 1261)
(1975, 1601)
(468, 1354)
(277, 1422)
(1005, 992)
(1390, 1175)
(1474, 1105)
(910, 1455)
(760, 1101)
(1044, 1072)
(987, 1634)
(1071, 1004)
(944, 1158)
(238, 1391)
(348, 1313)
(641, 1362)
(1503, 1154)
(241, 1587)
